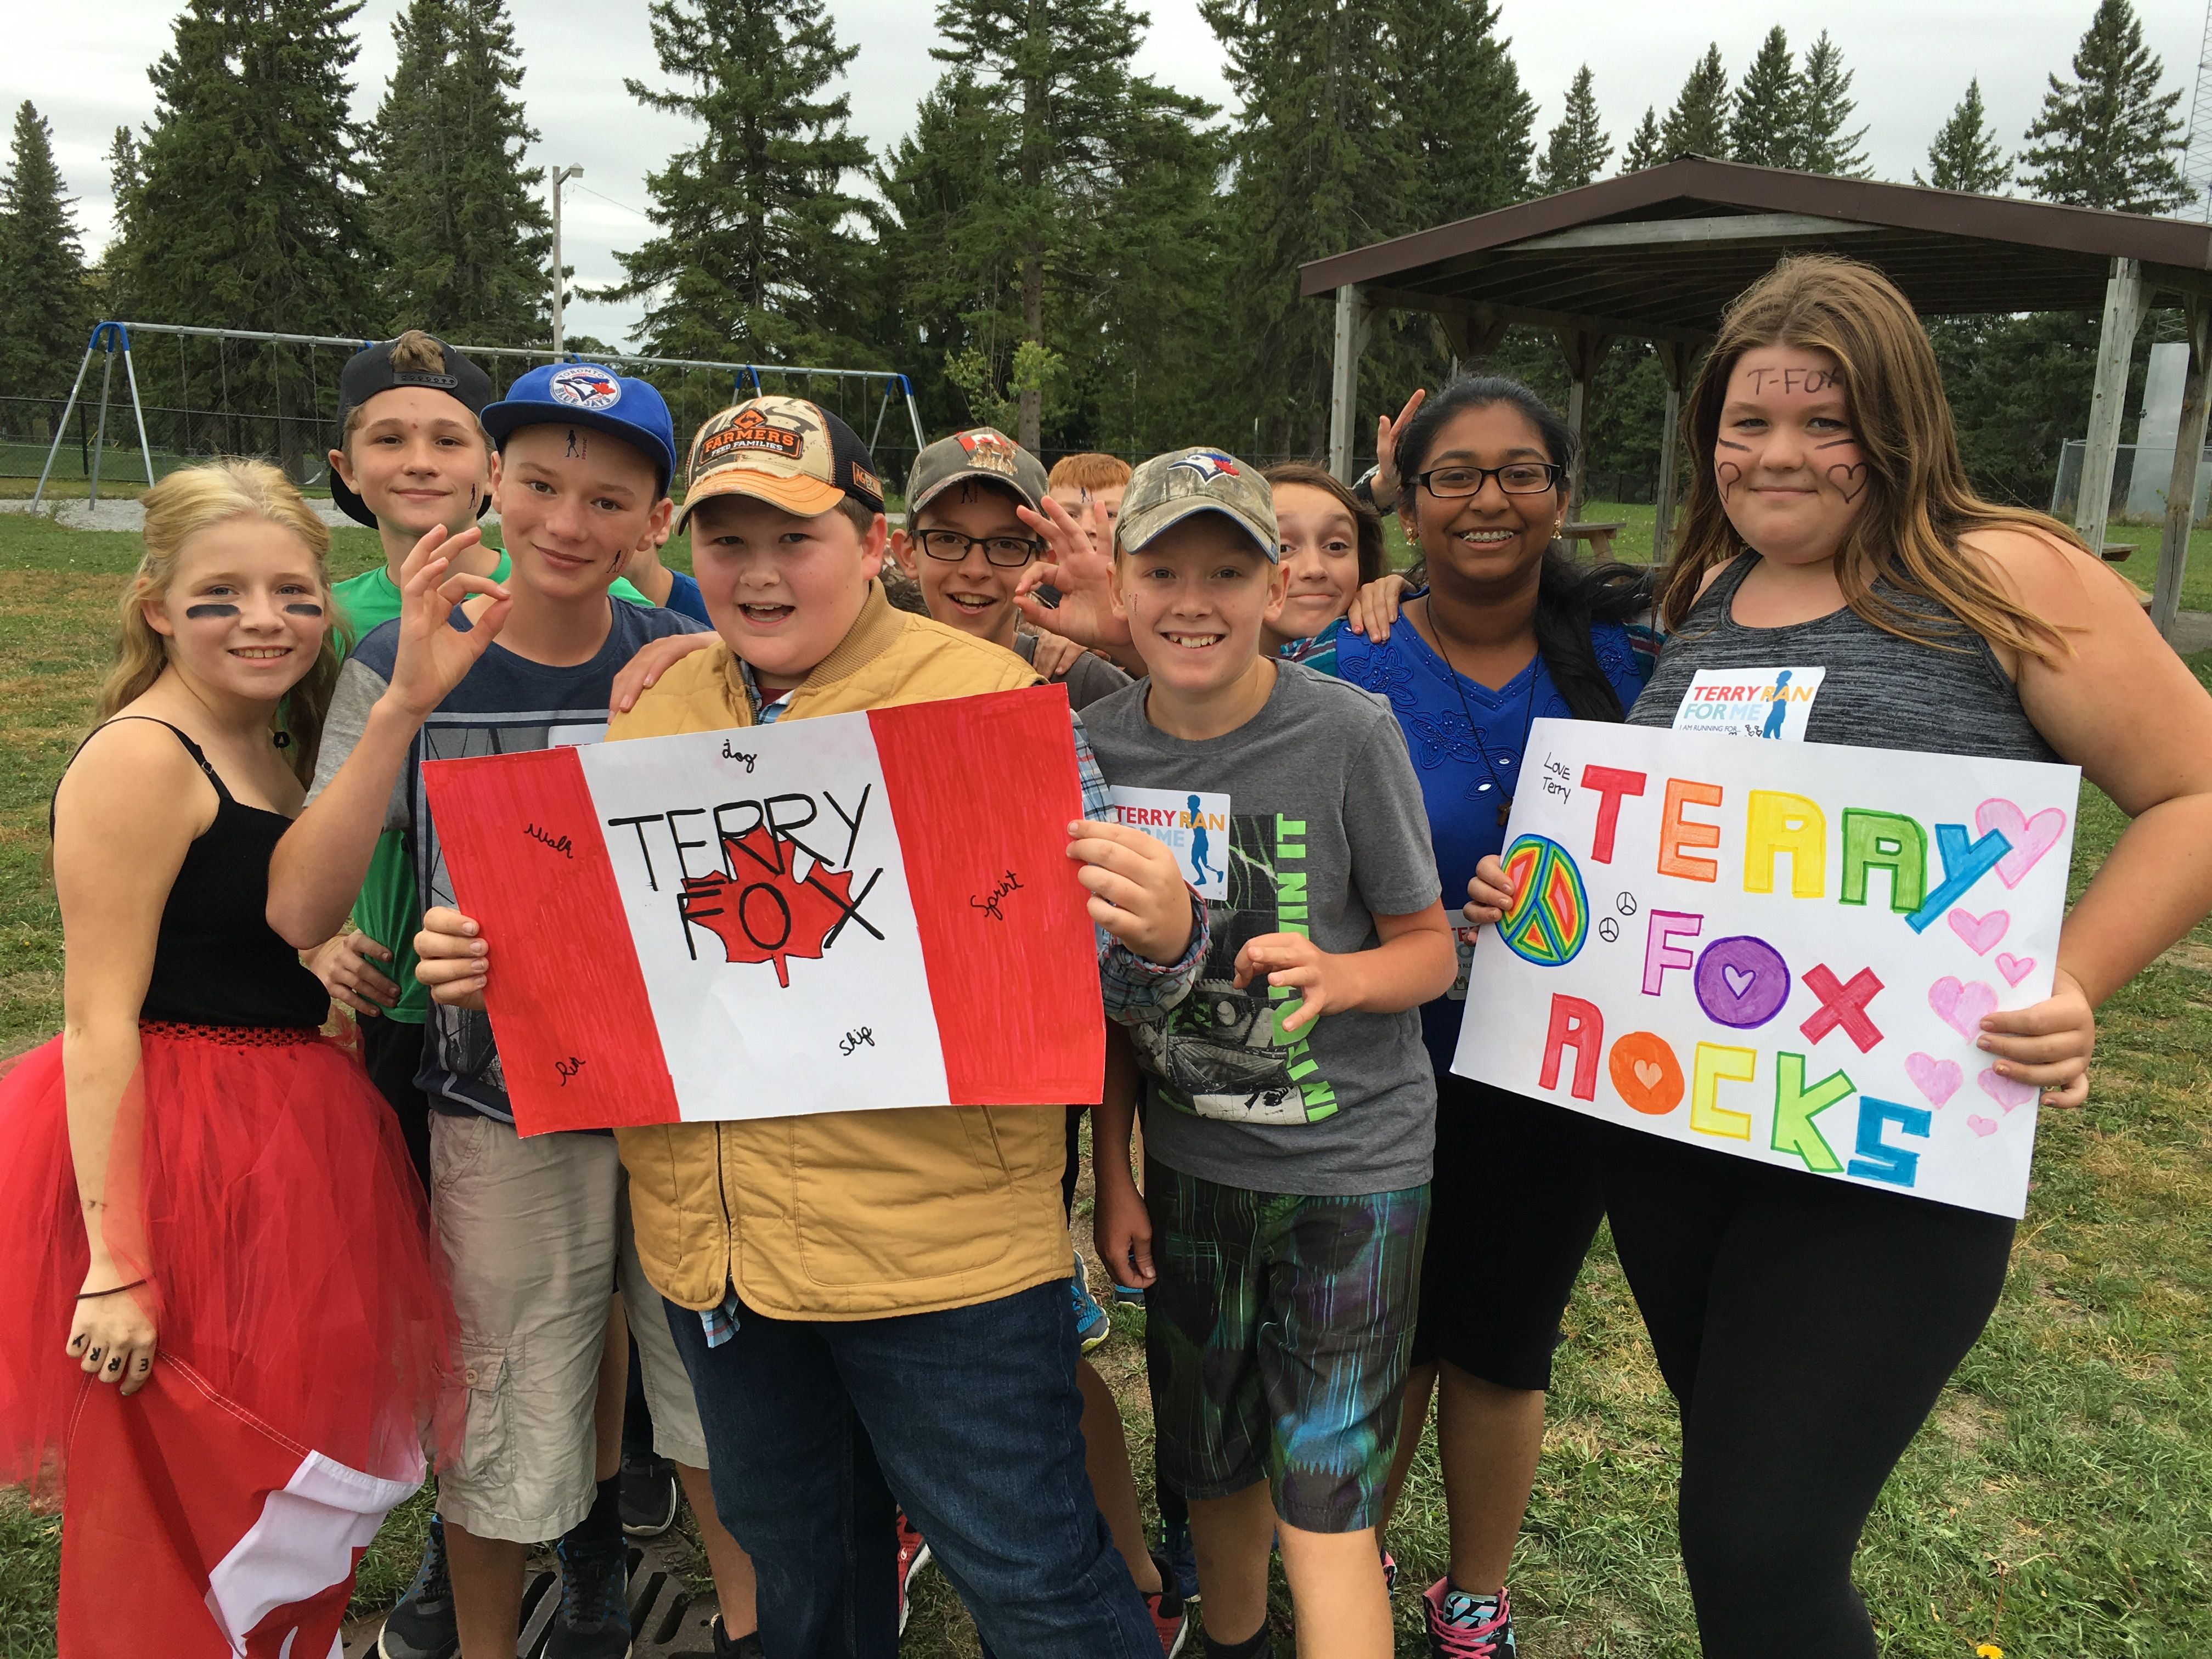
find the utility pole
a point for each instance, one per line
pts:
(559, 176)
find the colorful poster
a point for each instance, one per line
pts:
(857, 911)
(1780, 950)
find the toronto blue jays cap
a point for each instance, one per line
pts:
(593, 395)
(1168, 489)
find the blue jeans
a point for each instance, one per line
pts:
(972, 1417)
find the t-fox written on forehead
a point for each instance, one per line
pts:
(695, 926)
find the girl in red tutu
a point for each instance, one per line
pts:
(221, 1307)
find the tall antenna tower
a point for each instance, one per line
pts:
(2197, 164)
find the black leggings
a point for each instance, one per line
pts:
(1806, 1326)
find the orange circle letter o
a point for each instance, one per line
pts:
(1645, 1072)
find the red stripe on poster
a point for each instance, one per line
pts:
(575, 1027)
(982, 790)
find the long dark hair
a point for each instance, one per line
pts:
(1571, 597)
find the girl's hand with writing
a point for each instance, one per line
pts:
(111, 1336)
(453, 960)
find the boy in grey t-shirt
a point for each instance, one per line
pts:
(1290, 1104)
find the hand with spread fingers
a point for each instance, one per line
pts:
(1138, 894)
(435, 655)
(1489, 892)
(1388, 485)
(2048, 1044)
(110, 1337)
(452, 958)
(342, 963)
(1078, 563)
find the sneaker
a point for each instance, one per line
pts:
(745, 1647)
(1092, 1326)
(1129, 1295)
(913, 1557)
(593, 1619)
(1464, 1626)
(1390, 1573)
(1169, 1619)
(1181, 1559)
(422, 1626)
(648, 1495)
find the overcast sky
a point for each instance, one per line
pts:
(1912, 60)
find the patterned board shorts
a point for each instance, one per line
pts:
(1277, 1337)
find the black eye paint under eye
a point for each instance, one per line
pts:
(202, 612)
(303, 610)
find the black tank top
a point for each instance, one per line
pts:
(217, 960)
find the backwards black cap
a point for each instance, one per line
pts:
(369, 371)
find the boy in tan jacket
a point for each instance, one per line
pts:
(875, 1303)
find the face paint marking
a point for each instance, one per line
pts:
(205, 612)
(577, 449)
(1852, 482)
(303, 610)
(1726, 443)
(1730, 475)
(1835, 443)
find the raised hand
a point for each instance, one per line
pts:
(1078, 561)
(434, 655)
(1388, 485)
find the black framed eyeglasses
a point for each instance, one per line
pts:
(1516, 478)
(1008, 552)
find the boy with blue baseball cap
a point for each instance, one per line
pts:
(535, 1232)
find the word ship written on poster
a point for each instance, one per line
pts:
(1783, 951)
(799, 918)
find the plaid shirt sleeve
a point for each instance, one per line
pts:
(1130, 984)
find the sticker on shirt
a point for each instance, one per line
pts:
(579, 736)
(1194, 827)
(1751, 703)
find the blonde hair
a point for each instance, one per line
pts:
(1919, 502)
(1089, 470)
(187, 501)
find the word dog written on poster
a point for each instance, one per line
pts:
(827, 914)
(1780, 951)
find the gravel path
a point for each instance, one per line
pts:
(77, 513)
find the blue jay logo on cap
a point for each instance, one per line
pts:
(1208, 463)
(583, 386)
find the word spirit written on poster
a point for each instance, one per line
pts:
(1780, 951)
(856, 911)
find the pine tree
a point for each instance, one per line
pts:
(248, 214)
(759, 247)
(2111, 138)
(461, 231)
(43, 298)
(1698, 123)
(1965, 155)
(126, 177)
(1824, 105)
(1646, 149)
(1769, 113)
(1461, 112)
(1576, 150)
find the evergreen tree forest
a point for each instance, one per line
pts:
(1060, 244)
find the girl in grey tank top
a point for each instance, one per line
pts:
(1880, 691)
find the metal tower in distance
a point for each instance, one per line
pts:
(2198, 162)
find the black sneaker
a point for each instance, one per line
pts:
(422, 1626)
(593, 1621)
(745, 1647)
(648, 1495)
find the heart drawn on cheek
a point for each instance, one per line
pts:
(1851, 482)
(1729, 475)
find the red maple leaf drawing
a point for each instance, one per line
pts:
(760, 913)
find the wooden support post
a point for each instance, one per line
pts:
(1352, 318)
(1584, 349)
(2188, 448)
(1674, 363)
(2116, 341)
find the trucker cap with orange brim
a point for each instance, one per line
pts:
(787, 452)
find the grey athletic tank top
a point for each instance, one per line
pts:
(1880, 691)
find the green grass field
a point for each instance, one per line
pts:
(2058, 1503)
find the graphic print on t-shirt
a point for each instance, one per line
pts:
(1751, 703)
(1221, 1053)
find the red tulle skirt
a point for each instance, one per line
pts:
(258, 1184)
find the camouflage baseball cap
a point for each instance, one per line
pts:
(784, 451)
(1168, 489)
(981, 452)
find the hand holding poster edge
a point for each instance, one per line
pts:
(856, 911)
(1722, 942)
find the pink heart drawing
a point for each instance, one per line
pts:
(2007, 1091)
(2014, 968)
(1981, 1125)
(1980, 932)
(1962, 1007)
(1739, 980)
(1648, 1072)
(1938, 1079)
(2031, 837)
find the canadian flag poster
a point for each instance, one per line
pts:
(854, 911)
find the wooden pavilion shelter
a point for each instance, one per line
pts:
(1657, 255)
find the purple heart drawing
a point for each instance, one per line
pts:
(1962, 1007)
(1980, 932)
(2031, 837)
(2007, 1091)
(2014, 968)
(1981, 1125)
(1739, 980)
(1938, 1079)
